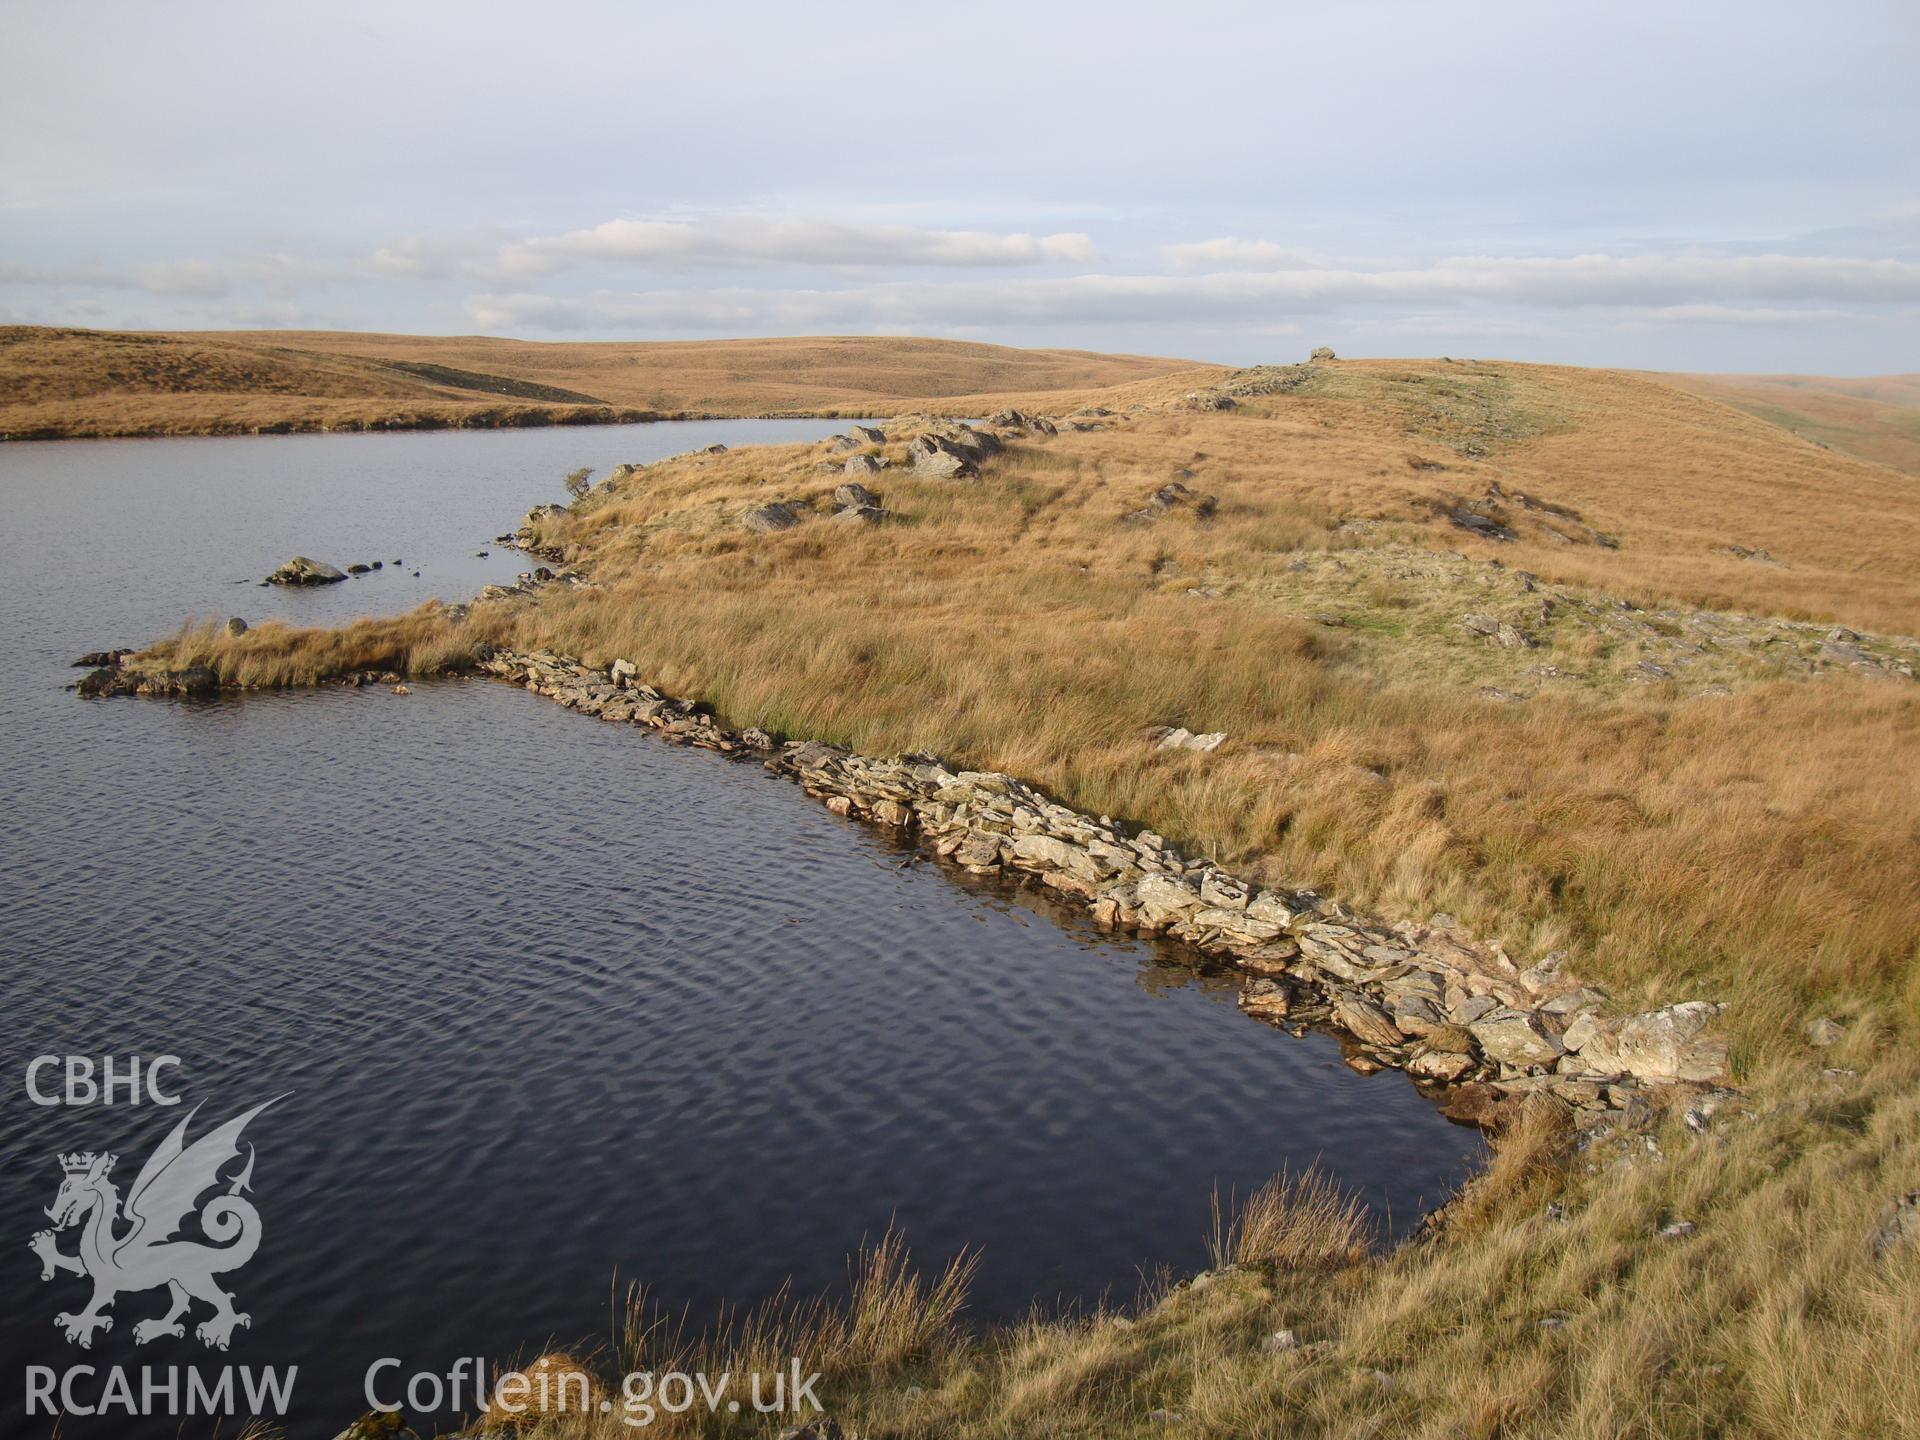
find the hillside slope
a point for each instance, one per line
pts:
(1876, 419)
(1555, 652)
(63, 382)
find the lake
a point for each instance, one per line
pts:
(554, 1007)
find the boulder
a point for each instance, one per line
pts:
(1669, 1044)
(1266, 999)
(1322, 352)
(869, 434)
(1444, 1066)
(1899, 1225)
(766, 519)
(855, 494)
(1823, 1033)
(1365, 1019)
(938, 457)
(1179, 738)
(302, 571)
(862, 515)
(1516, 1038)
(841, 444)
(236, 626)
(860, 465)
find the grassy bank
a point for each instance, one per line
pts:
(1661, 724)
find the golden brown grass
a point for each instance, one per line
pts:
(89, 382)
(1755, 846)
(1874, 419)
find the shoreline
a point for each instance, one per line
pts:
(403, 425)
(1476, 1034)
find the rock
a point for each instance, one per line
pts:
(402, 690)
(1823, 1033)
(1279, 1342)
(862, 515)
(714, 450)
(1050, 853)
(869, 434)
(1266, 999)
(1321, 352)
(843, 443)
(1440, 1065)
(1679, 1230)
(1365, 1019)
(767, 519)
(1475, 1104)
(624, 672)
(860, 465)
(1899, 1225)
(824, 1428)
(1516, 1038)
(358, 569)
(1479, 524)
(236, 626)
(1179, 738)
(1208, 400)
(939, 458)
(853, 495)
(302, 571)
(95, 659)
(1665, 1045)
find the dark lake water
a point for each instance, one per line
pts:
(554, 1007)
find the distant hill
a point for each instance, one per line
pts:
(69, 382)
(1874, 419)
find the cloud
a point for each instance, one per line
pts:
(1232, 253)
(1720, 290)
(752, 242)
(198, 278)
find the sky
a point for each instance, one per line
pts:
(1680, 186)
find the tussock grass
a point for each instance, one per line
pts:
(1754, 846)
(1290, 1223)
(273, 654)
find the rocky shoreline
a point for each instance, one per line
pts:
(1472, 1028)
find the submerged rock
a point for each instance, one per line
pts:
(302, 571)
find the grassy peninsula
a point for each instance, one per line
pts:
(1595, 664)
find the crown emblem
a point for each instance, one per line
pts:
(80, 1162)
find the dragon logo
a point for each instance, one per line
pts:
(147, 1254)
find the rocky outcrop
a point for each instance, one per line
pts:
(1172, 496)
(938, 457)
(1422, 997)
(302, 571)
(766, 519)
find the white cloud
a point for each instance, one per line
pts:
(1232, 253)
(743, 242)
(1719, 290)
